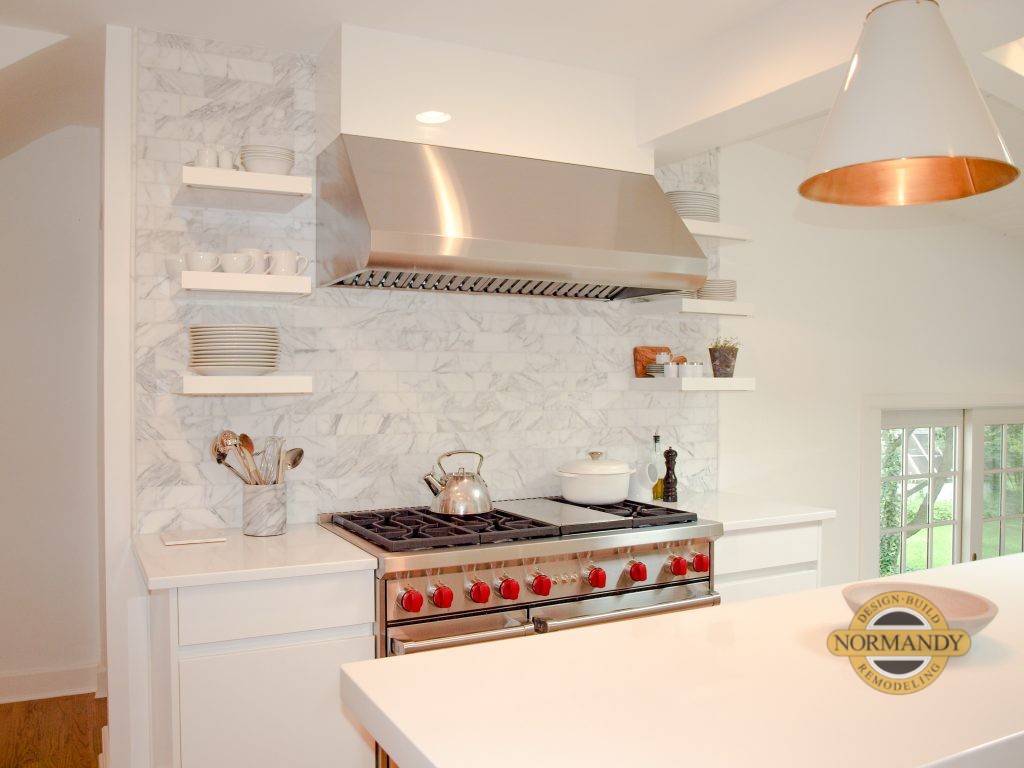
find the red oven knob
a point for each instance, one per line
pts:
(637, 571)
(541, 585)
(411, 600)
(597, 577)
(479, 592)
(677, 565)
(701, 563)
(442, 596)
(509, 589)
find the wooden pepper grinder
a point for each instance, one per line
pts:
(671, 483)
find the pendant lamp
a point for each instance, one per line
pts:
(909, 125)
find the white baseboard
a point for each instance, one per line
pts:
(47, 683)
(105, 741)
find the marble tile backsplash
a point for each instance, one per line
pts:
(399, 377)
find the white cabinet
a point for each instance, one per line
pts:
(770, 560)
(216, 612)
(247, 673)
(275, 706)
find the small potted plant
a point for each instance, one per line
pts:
(723, 357)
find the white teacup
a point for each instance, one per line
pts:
(206, 157)
(287, 263)
(236, 262)
(202, 261)
(260, 260)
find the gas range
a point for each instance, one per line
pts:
(531, 565)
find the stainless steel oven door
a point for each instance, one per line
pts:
(631, 605)
(448, 633)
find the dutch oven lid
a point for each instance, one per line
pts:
(595, 465)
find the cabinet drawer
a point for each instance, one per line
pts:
(735, 589)
(272, 708)
(766, 548)
(274, 606)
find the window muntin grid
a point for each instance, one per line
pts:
(920, 515)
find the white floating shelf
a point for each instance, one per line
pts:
(705, 384)
(231, 282)
(241, 190)
(717, 230)
(247, 385)
(668, 306)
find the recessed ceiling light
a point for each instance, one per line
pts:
(433, 117)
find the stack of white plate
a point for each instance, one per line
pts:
(656, 369)
(233, 350)
(262, 158)
(691, 204)
(718, 290)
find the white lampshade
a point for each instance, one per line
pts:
(909, 125)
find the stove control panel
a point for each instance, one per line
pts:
(486, 586)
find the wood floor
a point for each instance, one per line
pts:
(52, 733)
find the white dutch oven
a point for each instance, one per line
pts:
(595, 480)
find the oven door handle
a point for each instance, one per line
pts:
(551, 625)
(401, 647)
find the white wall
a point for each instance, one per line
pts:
(499, 103)
(853, 306)
(49, 327)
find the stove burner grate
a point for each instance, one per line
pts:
(403, 529)
(641, 513)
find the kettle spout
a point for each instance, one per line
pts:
(433, 484)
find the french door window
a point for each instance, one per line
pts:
(920, 516)
(998, 482)
(951, 487)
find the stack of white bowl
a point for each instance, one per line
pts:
(263, 158)
(692, 204)
(718, 290)
(233, 350)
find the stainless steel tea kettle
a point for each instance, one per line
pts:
(459, 493)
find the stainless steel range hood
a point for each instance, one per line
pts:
(393, 214)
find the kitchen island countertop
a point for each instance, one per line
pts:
(305, 549)
(749, 683)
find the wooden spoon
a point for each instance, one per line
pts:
(247, 449)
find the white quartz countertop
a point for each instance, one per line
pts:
(303, 550)
(746, 684)
(737, 512)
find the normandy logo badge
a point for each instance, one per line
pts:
(898, 642)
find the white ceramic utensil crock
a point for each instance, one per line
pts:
(595, 480)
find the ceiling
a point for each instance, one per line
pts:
(707, 73)
(606, 35)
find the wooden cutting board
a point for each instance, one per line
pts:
(644, 356)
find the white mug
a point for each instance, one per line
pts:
(260, 260)
(225, 159)
(206, 157)
(641, 482)
(671, 370)
(202, 261)
(287, 263)
(236, 262)
(662, 358)
(692, 370)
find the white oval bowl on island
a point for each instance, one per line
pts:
(963, 610)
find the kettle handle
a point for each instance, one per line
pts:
(444, 456)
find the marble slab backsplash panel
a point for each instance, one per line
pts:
(399, 377)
